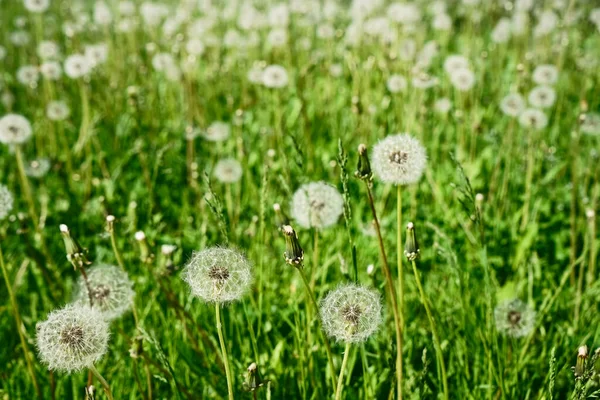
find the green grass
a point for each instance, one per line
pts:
(127, 156)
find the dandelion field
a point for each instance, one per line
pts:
(301, 199)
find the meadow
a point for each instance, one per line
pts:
(303, 199)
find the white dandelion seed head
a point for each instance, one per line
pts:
(275, 77)
(102, 14)
(28, 75)
(442, 22)
(51, 70)
(404, 13)
(228, 170)
(36, 6)
(255, 74)
(57, 110)
(14, 129)
(218, 131)
(37, 168)
(502, 31)
(72, 338)
(351, 313)
(545, 74)
(455, 62)
(6, 201)
(277, 37)
(139, 236)
(168, 249)
(591, 124)
(514, 318)
(399, 159)
(442, 105)
(533, 118)
(111, 291)
(218, 275)
(513, 104)
(396, 83)
(96, 54)
(542, 96)
(77, 66)
(462, 79)
(20, 38)
(316, 205)
(194, 47)
(48, 49)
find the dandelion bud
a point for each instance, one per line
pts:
(218, 275)
(411, 247)
(145, 254)
(281, 218)
(137, 347)
(253, 378)
(76, 255)
(110, 291)
(294, 255)
(582, 355)
(72, 338)
(590, 214)
(351, 313)
(370, 269)
(110, 222)
(363, 169)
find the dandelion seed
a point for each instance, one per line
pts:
(14, 129)
(6, 201)
(512, 104)
(316, 205)
(37, 168)
(542, 96)
(36, 6)
(351, 313)
(228, 170)
(77, 66)
(533, 118)
(110, 288)
(514, 318)
(51, 70)
(72, 338)
(218, 275)
(217, 132)
(28, 75)
(399, 159)
(57, 110)
(275, 77)
(545, 74)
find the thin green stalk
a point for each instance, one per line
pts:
(311, 295)
(400, 253)
(26, 188)
(340, 385)
(19, 323)
(103, 382)
(392, 293)
(224, 351)
(436, 338)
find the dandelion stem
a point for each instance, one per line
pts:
(103, 382)
(19, 323)
(26, 188)
(436, 338)
(392, 293)
(113, 242)
(400, 253)
(311, 295)
(340, 385)
(224, 351)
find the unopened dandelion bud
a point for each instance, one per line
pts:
(281, 219)
(582, 355)
(590, 214)
(110, 222)
(137, 347)
(253, 378)
(411, 247)
(363, 169)
(370, 269)
(294, 255)
(145, 255)
(76, 254)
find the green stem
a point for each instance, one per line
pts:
(113, 242)
(311, 295)
(399, 255)
(224, 351)
(26, 188)
(340, 385)
(436, 338)
(102, 381)
(392, 293)
(13, 303)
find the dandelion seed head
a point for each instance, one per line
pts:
(6, 201)
(37, 168)
(36, 6)
(514, 318)
(51, 70)
(512, 104)
(462, 79)
(57, 110)
(28, 75)
(545, 74)
(72, 338)
(542, 96)
(77, 66)
(351, 313)
(218, 275)
(228, 170)
(110, 288)
(533, 118)
(396, 83)
(591, 124)
(218, 131)
(275, 77)
(14, 129)
(399, 159)
(316, 205)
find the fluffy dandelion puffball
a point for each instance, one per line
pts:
(217, 132)
(512, 104)
(228, 170)
(316, 205)
(6, 201)
(218, 275)
(72, 338)
(275, 77)
(351, 313)
(57, 110)
(514, 318)
(591, 124)
(399, 159)
(14, 129)
(533, 118)
(37, 168)
(111, 291)
(36, 6)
